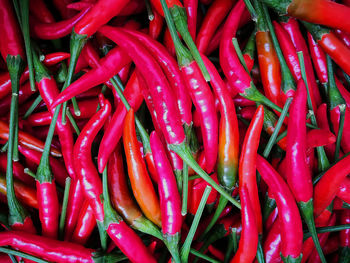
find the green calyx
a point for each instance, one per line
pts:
(269, 206)
(180, 19)
(99, 257)
(250, 47)
(144, 225)
(344, 255)
(172, 243)
(290, 259)
(334, 96)
(307, 209)
(41, 71)
(317, 31)
(280, 6)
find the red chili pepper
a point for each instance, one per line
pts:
(114, 129)
(272, 244)
(333, 46)
(55, 30)
(344, 36)
(248, 243)
(140, 181)
(61, 6)
(85, 224)
(247, 163)
(110, 65)
(168, 42)
(49, 91)
(39, 9)
(289, 217)
(319, 59)
(213, 18)
(191, 7)
(343, 192)
(5, 82)
(169, 196)
(292, 27)
(156, 25)
(24, 193)
(332, 245)
(344, 236)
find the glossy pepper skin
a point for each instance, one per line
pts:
(247, 163)
(289, 217)
(141, 183)
(85, 224)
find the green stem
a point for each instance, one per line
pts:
(327, 229)
(64, 207)
(185, 250)
(203, 256)
(340, 131)
(76, 45)
(13, 259)
(184, 189)
(193, 177)
(231, 246)
(185, 153)
(239, 54)
(279, 124)
(73, 122)
(21, 254)
(260, 253)
(75, 107)
(32, 107)
(306, 209)
(24, 12)
(149, 10)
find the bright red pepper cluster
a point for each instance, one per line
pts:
(159, 131)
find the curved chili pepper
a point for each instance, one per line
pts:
(56, 30)
(110, 65)
(249, 237)
(168, 42)
(5, 82)
(292, 27)
(343, 192)
(18, 171)
(115, 128)
(156, 25)
(331, 45)
(55, 58)
(268, 64)
(191, 7)
(26, 140)
(272, 244)
(213, 18)
(270, 121)
(247, 163)
(291, 242)
(138, 175)
(61, 6)
(344, 237)
(169, 196)
(84, 167)
(24, 193)
(322, 12)
(344, 36)
(85, 224)
(48, 90)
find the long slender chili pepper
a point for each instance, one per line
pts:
(300, 179)
(84, 167)
(140, 181)
(26, 140)
(249, 237)
(48, 90)
(24, 193)
(268, 62)
(247, 163)
(288, 211)
(18, 171)
(213, 18)
(343, 192)
(272, 244)
(156, 25)
(168, 117)
(344, 237)
(292, 27)
(322, 12)
(169, 197)
(326, 188)
(57, 167)
(330, 44)
(110, 65)
(46, 187)
(232, 68)
(191, 7)
(228, 153)
(55, 30)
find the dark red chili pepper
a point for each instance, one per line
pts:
(5, 82)
(344, 237)
(344, 36)
(24, 193)
(247, 163)
(331, 246)
(87, 109)
(55, 58)
(272, 244)
(85, 224)
(169, 196)
(49, 91)
(249, 237)
(61, 6)
(213, 18)
(343, 192)
(56, 30)
(333, 46)
(110, 65)
(289, 217)
(168, 42)
(292, 27)
(39, 9)
(114, 129)
(18, 171)
(156, 25)
(191, 7)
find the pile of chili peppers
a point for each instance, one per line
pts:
(175, 131)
